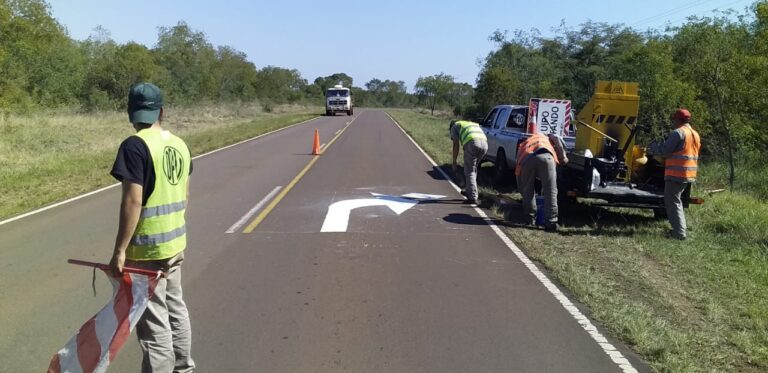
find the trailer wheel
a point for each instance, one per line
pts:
(503, 171)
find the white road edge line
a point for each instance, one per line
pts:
(239, 224)
(614, 354)
(57, 204)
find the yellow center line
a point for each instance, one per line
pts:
(263, 215)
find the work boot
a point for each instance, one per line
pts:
(550, 227)
(673, 235)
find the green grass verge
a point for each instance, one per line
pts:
(695, 306)
(48, 157)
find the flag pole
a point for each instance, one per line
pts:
(106, 267)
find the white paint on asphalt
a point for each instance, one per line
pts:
(239, 224)
(337, 218)
(614, 354)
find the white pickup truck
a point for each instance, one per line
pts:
(505, 126)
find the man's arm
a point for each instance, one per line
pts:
(130, 212)
(673, 143)
(455, 151)
(559, 144)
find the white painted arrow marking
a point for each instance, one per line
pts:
(337, 218)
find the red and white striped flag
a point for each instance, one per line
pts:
(97, 342)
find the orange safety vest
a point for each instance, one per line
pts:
(682, 165)
(529, 147)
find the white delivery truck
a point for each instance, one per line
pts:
(506, 126)
(338, 100)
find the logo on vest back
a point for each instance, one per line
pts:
(173, 165)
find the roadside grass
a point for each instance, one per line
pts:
(50, 156)
(699, 305)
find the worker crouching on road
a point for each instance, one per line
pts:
(681, 153)
(154, 168)
(472, 139)
(537, 157)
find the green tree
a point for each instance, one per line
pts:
(525, 66)
(188, 60)
(387, 92)
(39, 63)
(280, 85)
(236, 77)
(325, 82)
(712, 55)
(434, 89)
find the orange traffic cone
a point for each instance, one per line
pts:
(316, 144)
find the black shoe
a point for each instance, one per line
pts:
(463, 193)
(470, 201)
(550, 227)
(531, 223)
(673, 235)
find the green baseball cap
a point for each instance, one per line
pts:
(144, 103)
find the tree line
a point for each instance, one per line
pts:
(42, 67)
(716, 66)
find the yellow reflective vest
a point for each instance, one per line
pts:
(469, 131)
(162, 231)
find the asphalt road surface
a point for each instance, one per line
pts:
(406, 286)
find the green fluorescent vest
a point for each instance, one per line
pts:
(162, 232)
(469, 131)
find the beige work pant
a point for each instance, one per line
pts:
(541, 166)
(164, 331)
(673, 190)
(474, 151)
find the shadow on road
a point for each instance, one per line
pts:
(576, 218)
(465, 219)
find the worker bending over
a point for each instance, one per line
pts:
(475, 145)
(681, 154)
(537, 157)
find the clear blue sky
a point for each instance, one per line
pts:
(389, 39)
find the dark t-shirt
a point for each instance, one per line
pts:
(133, 163)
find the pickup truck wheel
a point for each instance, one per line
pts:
(503, 172)
(327, 113)
(349, 112)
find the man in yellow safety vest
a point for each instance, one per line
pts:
(154, 167)
(474, 143)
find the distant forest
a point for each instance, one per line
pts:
(715, 66)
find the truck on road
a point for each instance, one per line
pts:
(338, 99)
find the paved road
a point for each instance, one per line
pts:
(433, 289)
